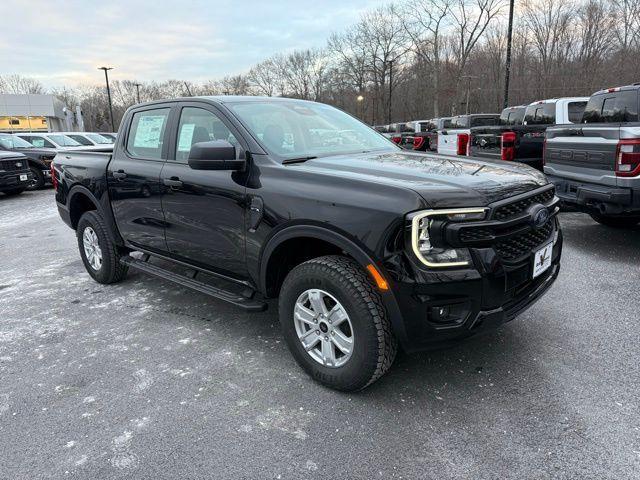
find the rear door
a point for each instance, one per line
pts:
(133, 176)
(589, 149)
(204, 209)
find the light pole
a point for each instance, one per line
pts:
(360, 99)
(137, 85)
(106, 77)
(507, 71)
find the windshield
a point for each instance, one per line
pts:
(63, 140)
(295, 129)
(11, 142)
(98, 138)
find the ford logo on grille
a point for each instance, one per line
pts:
(539, 215)
(18, 164)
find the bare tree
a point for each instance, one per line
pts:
(18, 84)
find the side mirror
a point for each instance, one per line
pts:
(214, 155)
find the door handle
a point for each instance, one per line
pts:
(119, 175)
(173, 182)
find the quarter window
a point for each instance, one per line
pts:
(146, 134)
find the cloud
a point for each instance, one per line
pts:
(64, 42)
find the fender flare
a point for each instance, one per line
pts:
(347, 245)
(37, 163)
(104, 212)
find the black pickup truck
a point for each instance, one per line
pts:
(15, 176)
(364, 244)
(520, 134)
(38, 159)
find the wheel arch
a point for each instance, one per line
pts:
(80, 200)
(340, 243)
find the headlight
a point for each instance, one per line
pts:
(421, 237)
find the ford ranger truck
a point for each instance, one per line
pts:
(365, 246)
(595, 165)
(15, 176)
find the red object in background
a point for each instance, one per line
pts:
(508, 146)
(418, 142)
(54, 180)
(396, 140)
(463, 144)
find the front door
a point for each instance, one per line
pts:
(204, 209)
(134, 178)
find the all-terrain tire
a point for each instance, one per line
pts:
(616, 222)
(111, 270)
(374, 345)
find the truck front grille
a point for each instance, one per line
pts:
(509, 229)
(517, 247)
(515, 208)
(13, 165)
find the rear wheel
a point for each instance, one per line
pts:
(618, 221)
(335, 324)
(101, 257)
(38, 179)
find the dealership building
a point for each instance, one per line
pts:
(37, 113)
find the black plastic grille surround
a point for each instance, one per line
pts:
(525, 243)
(518, 207)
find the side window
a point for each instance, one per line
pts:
(146, 134)
(39, 142)
(592, 112)
(200, 125)
(575, 111)
(80, 139)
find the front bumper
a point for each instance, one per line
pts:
(479, 299)
(12, 179)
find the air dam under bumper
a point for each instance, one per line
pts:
(445, 307)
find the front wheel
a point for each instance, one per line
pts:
(38, 179)
(101, 257)
(335, 324)
(616, 222)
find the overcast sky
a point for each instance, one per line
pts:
(63, 42)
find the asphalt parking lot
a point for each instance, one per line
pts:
(145, 379)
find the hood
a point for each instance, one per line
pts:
(36, 153)
(441, 180)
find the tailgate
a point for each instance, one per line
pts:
(486, 142)
(585, 153)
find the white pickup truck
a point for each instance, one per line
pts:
(454, 139)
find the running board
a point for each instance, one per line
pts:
(237, 299)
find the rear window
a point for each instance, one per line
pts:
(447, 122)
(484, 121)
(460, 122)
(512, 116)
(427, 126)
(575, 111)
(614, 107)
(540, 114)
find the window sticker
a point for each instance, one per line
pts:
(149, 131)
(186, 135)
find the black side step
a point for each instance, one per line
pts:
(237, 299)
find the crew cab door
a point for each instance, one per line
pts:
(204, 209)
(133, 176)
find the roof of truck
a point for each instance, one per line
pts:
(633, 86)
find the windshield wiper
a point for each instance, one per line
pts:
(296, 160)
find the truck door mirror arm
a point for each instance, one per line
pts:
(215, 155)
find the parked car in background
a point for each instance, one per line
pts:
(111, 136)
(58, 141)
(519, 136)
(454, 139)
(15, 176)
(38, 159)
(89, 138)
(366, 246)
(427, 139)
(595, 165)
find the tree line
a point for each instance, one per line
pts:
(418, 59)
